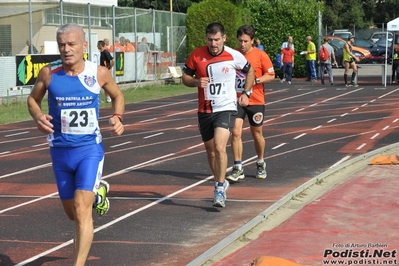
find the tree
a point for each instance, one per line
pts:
(340, 14)
(274, 20)
(201, 14)
(177, 5)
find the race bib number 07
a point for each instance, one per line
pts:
(78, 121)
(215, 91)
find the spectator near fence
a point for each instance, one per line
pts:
(117, 46)
(31, 47)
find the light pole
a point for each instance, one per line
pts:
(30, 27)
(171, 35)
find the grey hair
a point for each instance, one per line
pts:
(70, 27)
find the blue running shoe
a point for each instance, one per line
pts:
(220, 196)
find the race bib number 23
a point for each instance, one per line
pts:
(78, 121)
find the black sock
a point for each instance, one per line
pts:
(346, 78)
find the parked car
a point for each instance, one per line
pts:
(359, 52)
(344, 34)
(375, 36)
(365, 43)
(381, 48)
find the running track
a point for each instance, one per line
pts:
(161, 189)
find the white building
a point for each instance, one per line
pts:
(46, 17)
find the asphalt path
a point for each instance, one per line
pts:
(161, 186)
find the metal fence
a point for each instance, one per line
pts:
(38, 22)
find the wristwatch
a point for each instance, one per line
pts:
(248, 93)
(257, 81)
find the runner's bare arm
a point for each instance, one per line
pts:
(190, 81)
(35, 98)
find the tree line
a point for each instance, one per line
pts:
(337, 14)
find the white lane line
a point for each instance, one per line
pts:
(387, 94)
(123, 217)
(5, 152)
(38, 145)
(150, 136)
(340, 161)
(183, 127)
(301, 109)
(373, 100)
(195, 146)
(296, 96)
(344, 114)
(355, 109)
(28, 202)
(340, 95)
(26, 170)
(121, 144)
(245, 128)
(394, 121)
(316, 127)
(313, 104)
(300, 136)
(385, 128)
(268, 120)
(188, 111)
(364, 104)
(278, 146)
(16, 134)
(375, 135)
(361, 146)
(148, 120)
(285, 114)
(332, 120)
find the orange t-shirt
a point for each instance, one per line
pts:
(262, 64)
(118, 48)
(129, 48)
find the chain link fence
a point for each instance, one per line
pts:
(29, 31)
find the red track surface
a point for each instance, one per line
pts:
(161, 188)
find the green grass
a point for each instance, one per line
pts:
(17, 112)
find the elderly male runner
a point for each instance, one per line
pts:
(264, 72)
(214, 67)
(76, 149)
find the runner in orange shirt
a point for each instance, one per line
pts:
(264, 72)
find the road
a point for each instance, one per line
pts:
(161, 186)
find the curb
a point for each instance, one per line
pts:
(356, 164)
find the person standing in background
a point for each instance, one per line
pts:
(117, 47)
(106, 42)
(326, 65)
(395, 66)
(106, 60)
(142, 47)
(31, 47)
(290, 40)
(287, 62)
(310, 55)
(129, 48)
(259, 45)
(350, 62)
(285, 44)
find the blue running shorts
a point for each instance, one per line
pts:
(77, 168)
